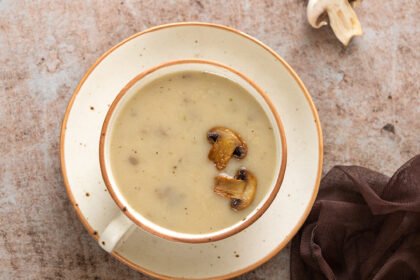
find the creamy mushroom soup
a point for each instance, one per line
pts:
(159, 150)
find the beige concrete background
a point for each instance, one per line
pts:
(368, 97)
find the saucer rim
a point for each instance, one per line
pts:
(299, 82)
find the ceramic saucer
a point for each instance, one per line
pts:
(167, 259)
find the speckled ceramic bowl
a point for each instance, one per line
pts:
(104, 150)
(156, 256)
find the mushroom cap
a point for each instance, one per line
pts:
(250, 189)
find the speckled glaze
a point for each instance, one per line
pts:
(169, 259)
(367, 96)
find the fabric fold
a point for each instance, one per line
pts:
(363, 225)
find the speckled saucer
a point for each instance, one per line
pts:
(167, 259)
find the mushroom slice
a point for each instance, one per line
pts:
(229, 187)
(342, 18)
(226, 143)
(240, 189)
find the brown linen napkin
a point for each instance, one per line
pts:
(363, 226)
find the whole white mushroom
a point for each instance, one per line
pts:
(340, 15)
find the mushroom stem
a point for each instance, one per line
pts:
(229, 187)
(342, 18)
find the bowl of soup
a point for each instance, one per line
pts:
(192, 151)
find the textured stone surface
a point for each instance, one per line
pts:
(368, 97)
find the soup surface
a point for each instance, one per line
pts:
(159, 150)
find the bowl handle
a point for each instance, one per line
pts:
(117, 230)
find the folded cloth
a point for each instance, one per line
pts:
(363, 226)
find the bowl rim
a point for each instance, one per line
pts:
(210, 237)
